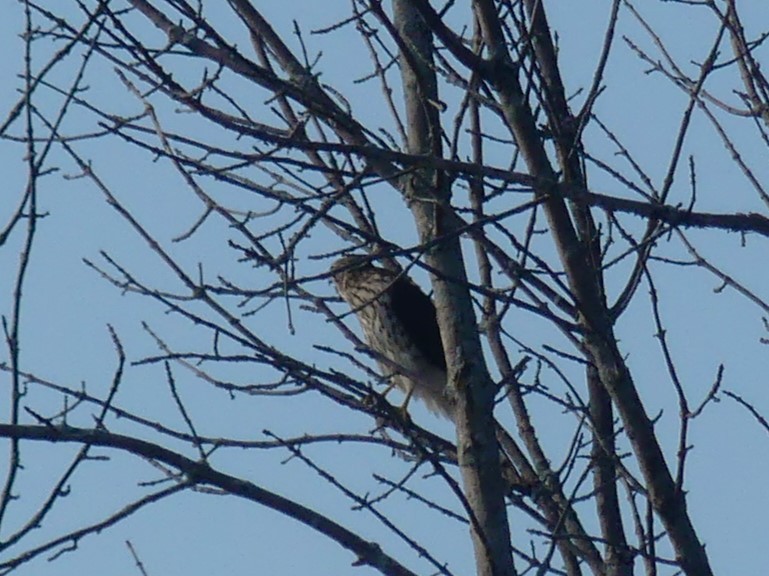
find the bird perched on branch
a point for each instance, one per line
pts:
(400, 325)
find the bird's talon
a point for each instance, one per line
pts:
(403, 412)
(370, 400)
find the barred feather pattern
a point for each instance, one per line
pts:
(399, 323)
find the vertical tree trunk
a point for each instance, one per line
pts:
(427, 193)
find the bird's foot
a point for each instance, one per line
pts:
(403, 413)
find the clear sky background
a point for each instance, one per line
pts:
(68, 306)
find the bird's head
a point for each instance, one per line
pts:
(347, 268)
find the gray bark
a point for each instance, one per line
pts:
(428, 195)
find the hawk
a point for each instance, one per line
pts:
(400, 324)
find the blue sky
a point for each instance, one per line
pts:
(67, 308)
